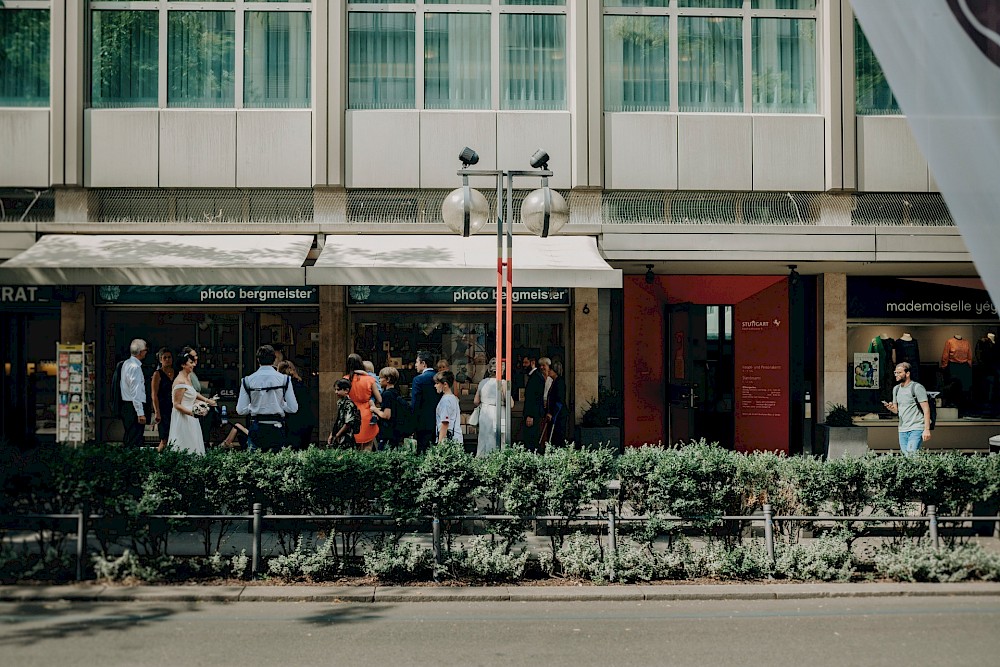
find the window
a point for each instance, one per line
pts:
(477, 54)
(722, 56)
(24, 54)
(873, 97)
(219, 53)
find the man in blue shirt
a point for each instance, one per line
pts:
(267, 396)
(424, 399)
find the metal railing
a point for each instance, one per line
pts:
(85, 521)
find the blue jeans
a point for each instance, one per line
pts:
(910, 441)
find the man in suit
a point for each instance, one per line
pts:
(424, 399)
(534, 405)
(132, 394)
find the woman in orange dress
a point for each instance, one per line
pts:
(364, 388)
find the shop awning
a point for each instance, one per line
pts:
(160, 259)
(418, 260)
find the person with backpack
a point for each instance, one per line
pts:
(348, 422)
(910, 402)
(267, 396)
(395, 416)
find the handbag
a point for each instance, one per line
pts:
(474, 417)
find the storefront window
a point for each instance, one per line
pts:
(955, 361)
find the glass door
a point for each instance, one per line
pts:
(700, 388)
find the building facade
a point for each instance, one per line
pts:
(750, 218)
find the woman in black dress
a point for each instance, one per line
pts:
(163, 402)
(302, 422)
(556, 410)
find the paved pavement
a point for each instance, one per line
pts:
(397, 594)
(828, 632)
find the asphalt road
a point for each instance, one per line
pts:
(910, 631)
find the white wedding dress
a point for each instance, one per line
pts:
(185, 430)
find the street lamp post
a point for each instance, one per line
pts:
(543, 212)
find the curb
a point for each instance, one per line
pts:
(397, 594)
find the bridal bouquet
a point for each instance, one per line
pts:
(201, 408)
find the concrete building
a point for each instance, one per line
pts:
(750, 217)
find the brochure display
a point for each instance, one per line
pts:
(75, 399)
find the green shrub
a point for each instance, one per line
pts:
(827, 558)
(581, 557)
(916, 562)
(393, 561)
(484, 559)
(309, 561)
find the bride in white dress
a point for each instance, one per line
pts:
(185, 430)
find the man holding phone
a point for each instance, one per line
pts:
(909, 401)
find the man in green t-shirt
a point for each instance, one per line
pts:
(909, 401)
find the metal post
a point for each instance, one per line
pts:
(81, 539)
(769, 532)
(932, 515)
(498, 348)
(612, 539)
(436, 538)
(509, 325)
(258, 512)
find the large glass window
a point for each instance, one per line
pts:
(381, 61)
(24, 57)
(463, 41)
(276, 60)
(736, 56)
(126, 47)
(873, 97)
(456, 61)
(200, 66)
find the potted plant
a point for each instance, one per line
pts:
(841, 436)
(600, 422)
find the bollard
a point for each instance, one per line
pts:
(769, 532)
(436, 538)
(258, 512)
(81, 539)
(612, 540)
(932, 515)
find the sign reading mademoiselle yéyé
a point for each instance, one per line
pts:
(898, 298)
(217, 295)
(401, 294)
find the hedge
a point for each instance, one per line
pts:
(697, 480)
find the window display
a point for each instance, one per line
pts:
(959, 366)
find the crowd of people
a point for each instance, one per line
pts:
(371, 412)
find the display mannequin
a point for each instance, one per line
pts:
(956, 361)
(907, 349)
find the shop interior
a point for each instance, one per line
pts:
(226, 341)
(467, 340)
(33, 393)
(963, 390)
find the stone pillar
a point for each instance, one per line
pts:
(72, 320)
(72, 205)
(832, 351)
(333, 350)
(585, 344)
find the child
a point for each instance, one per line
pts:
(388, 432)
(448, 413)
(348, 420)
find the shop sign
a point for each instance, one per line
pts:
(894, 298)
(216, 295)
(454, 295)
(25, 294)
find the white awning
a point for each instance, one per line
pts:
(160, 259)
(417, 260)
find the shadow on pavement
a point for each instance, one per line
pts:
(36, 622)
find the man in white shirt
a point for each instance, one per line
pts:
(267, 396)
(132, 393)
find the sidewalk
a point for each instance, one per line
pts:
(377, 594)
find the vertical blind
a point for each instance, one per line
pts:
(276, 60)
(24, 57)
(125, 70)
(636, 53)
(201, 59)
(710, 72)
